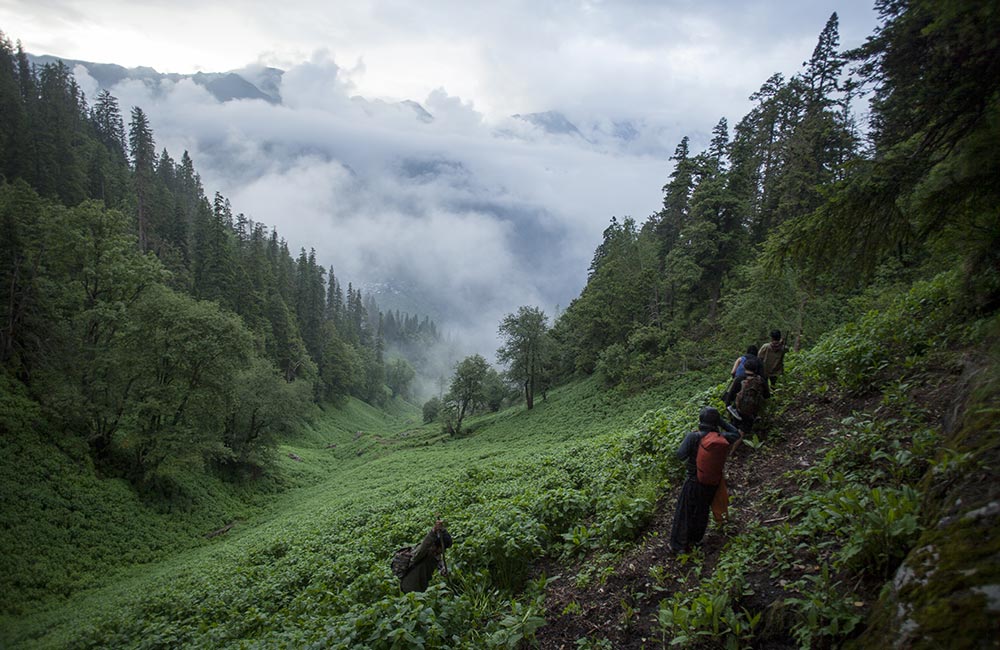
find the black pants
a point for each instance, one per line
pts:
(691, 515)
(730, 394)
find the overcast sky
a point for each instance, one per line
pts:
(480, 213)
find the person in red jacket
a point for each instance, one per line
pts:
(691, 514)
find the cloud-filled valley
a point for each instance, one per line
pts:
(383, 134)
(476, 217)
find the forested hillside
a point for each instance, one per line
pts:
(781, 223)
(151, 322)
(167, 358)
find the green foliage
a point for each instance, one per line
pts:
(263, 409)
(759, 300)
(431, 410)
(315, 571)
(526, 349)
(711, 611)
(467, 391)
(628, 514)
(399, 374)
(859, 354)
(825, 612)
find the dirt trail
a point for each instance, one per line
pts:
(623, 608)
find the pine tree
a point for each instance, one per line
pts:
(823, 69)
(14, 149)
(60, 111)
(676, 195)
(935, 73)
(107, 119)
(143, 153)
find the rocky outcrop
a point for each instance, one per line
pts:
(946, 594)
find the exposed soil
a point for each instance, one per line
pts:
(623, 608)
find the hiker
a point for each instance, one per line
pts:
(748, 402)
(772, 355)
(738, 373)
(419, 564)
(705, 452)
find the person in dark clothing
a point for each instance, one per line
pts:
(749, 396)
(427, 556)
(695, 501)
(738, 373)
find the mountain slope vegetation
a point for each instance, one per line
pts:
(207, 441)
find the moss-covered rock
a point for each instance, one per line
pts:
(946, 594)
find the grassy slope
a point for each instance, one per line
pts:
(867, 519)
(71, 530)
(358, 466)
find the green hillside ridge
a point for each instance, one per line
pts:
(582, 474)
(80, 528)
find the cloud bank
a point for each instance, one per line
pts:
(465, 206)
(476, 217)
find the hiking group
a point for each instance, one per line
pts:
(706, 449)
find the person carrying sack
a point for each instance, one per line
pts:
(705, 452)
(748, 402)
(415, 566)
(738, 374)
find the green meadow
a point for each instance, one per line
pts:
(309, 561)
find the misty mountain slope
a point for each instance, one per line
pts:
(486, 215)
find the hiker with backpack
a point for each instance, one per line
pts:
(415, 566)
(738, 373)
(749, 399)
(705, 452)
(772, 355)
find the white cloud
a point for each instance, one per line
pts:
(491, 212)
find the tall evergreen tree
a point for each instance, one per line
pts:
(107, 119)
(676, 196)
(143, 153)
(14, 141)
(935, 75)
(58, 140)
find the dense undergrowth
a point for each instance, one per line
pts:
(312, 567)
(580, 474)
(848, 521)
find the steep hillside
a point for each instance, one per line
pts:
(67, 528)
(867, 516)
(560, 516)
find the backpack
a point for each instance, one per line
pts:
(400, 564)
(751, 396)
(712, 452)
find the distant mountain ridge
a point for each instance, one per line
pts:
(264, 83)
(253, 82)
(224, 86)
